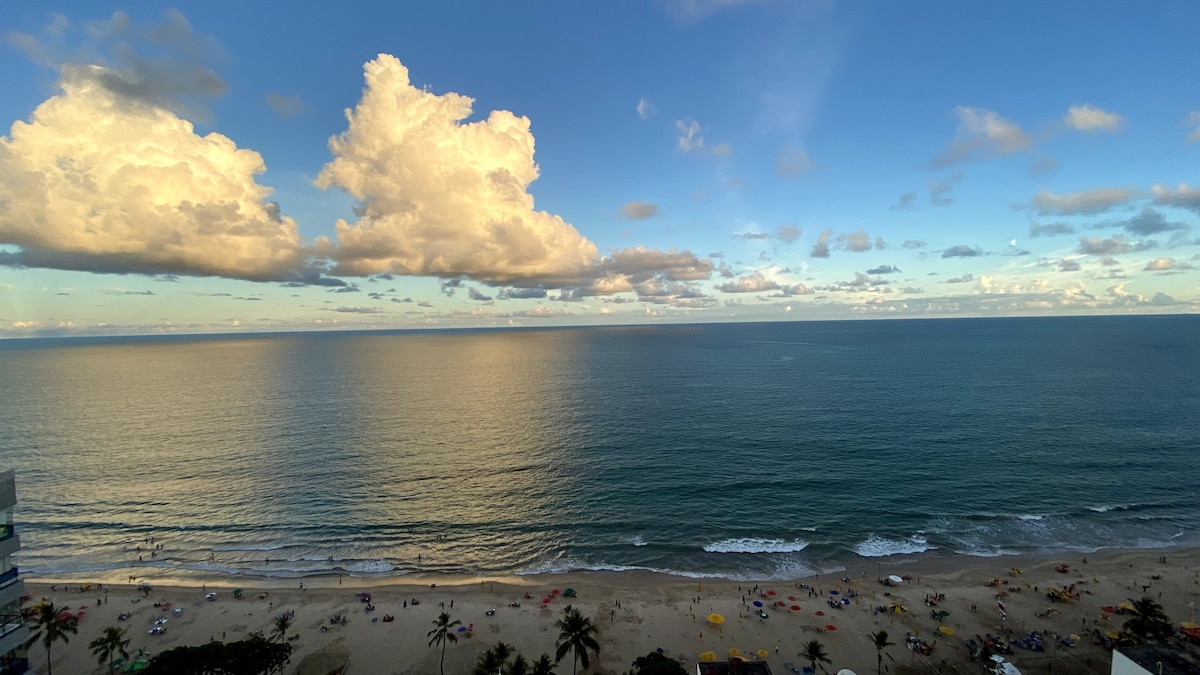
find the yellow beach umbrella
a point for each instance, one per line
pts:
(1125, 606)
(708, 656)
(1189, 624)
(945, 630)
(762, 653)
(734, 651)
(716, 619)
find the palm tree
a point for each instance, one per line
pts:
(282, 623)
(109, 645)
(53, 624)
(493, 660)
(441, 634)
(814, 651)
(519, 666)
(880, 640)
(543, 666)
(576, 634)
(1148, 620)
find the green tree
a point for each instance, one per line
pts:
(543, 666)
(880, 640)
(576, 634)
(280, 627)
(1148, 620)
(109, 645)
(519, 666)
(494, 660)
(656, 663)
(443, 632)
(51, 625)
(814, 651)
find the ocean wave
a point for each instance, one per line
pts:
(754, 545)
(875, 546)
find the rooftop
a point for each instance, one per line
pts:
(733, 667)
(1175, 660)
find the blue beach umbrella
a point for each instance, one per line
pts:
(757, 603)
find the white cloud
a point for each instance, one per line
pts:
(1184, 196)
(982, 134)
(689, 135)
(102, 181)
(1087, 202)
(754, 283)
(442, 198)
(645, 108)
(1090, 118)
(1160, 264)
(1193, 120)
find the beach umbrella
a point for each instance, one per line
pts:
(845, 671)
(136, 665)
(570, 592)
(830, 627)
(795, 608)
(942, 615)
(819, 613)
(946, 630)
(757, 603)
(716, 619)
(708, 656)
(770, 592)
(834, 593)
(792, 598)
(762, 653)
(895, 579)
(734, 651)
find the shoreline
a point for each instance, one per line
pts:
(639, 611)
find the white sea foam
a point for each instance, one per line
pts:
(753, 545)
(1030, 517)
(875, 546)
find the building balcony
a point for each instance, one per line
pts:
(8, 576)
(10, 544)
(14, 666)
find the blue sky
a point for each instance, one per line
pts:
(254, 167)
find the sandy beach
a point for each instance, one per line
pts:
(640, 612)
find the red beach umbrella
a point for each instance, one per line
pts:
(795, 608)
(770, 592)
(830, 627)
(819, 613)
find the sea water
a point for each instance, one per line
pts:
(754, 450)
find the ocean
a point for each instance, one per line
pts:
(751, 451)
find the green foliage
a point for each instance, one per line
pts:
(443, 632)
(52, 624)
(814, 651)
(255, 655)
(494, 660)
(576, 634)
(543, 666)
(280, 627)
(109, 645)
(880, 640)
(655, 663)
(1148, 621)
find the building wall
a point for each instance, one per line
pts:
(1123, 665)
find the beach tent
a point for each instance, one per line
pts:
(845, 671)
(895, 579)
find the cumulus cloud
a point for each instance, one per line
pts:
(1049, 229)
(884, 269)
(359, 310)
(478, 295)
(639, 210)
(788, 233)
(962, 251)
(1087, 202)
(1068, 265)
(438, 197)
(1184, 196)
(1150, 221)
(645, 108)
(1090, 118)
(689, 135)
(982, 134)
(102, 178)
(521, 293)
(857, 241)
(1114, 245)
(966, 278)
(1160, 264)
(820, 248)
(754, 283)
(284, 106)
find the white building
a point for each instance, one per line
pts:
(13, 631)
(1154, 660)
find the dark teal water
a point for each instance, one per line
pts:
(747, 450)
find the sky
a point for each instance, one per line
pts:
(251, 167)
